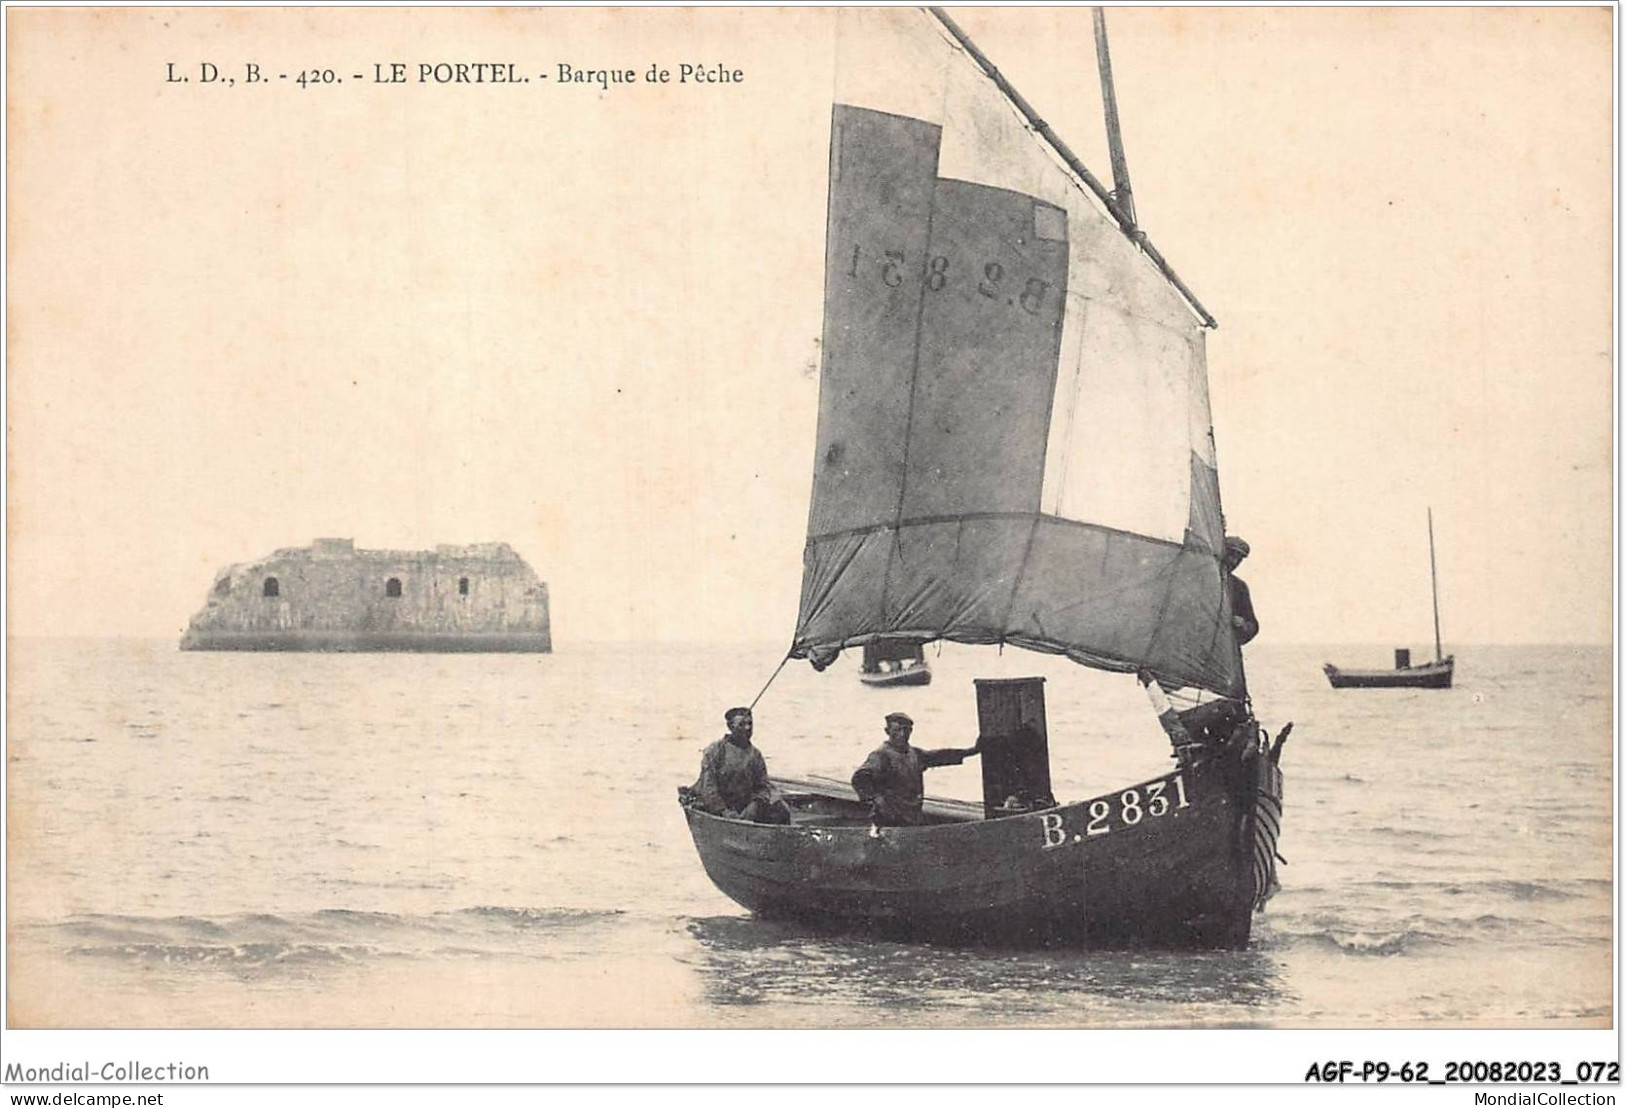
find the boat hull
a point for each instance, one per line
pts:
(1177, 862)
(898, 678)
(1434, 675)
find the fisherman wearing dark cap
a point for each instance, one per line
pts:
(892, 779)
(1196, 730)
(733, 776)
(1241, 600)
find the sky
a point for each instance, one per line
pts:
(585, 320)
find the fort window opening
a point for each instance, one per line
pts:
(392, 587)
(462, 586)
(272, 588)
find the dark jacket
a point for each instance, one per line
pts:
(1241, 607)
(731, 776)
(894, 781)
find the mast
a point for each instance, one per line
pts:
(1123, 191)
(1125, 222)
(1433, 567)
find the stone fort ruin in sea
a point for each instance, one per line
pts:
(331, 596)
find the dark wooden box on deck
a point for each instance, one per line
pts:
(1015, 741)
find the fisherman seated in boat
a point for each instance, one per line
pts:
(1241, 598)
(733, 777)
(892, 779)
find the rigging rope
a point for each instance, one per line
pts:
(770, 681)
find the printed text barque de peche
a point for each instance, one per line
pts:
(261, 75)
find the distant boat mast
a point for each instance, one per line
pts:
(1433, 568)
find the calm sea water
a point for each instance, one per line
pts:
(239, 840)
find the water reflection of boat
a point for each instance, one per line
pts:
(892, 662)
(1014, 448)
(845, 979)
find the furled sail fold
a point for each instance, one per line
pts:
(1014, 442)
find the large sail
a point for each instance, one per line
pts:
(1014, 443)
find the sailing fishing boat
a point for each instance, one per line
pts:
(1014, 447)
(1437, 674)
(888, 663)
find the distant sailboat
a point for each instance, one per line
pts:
(892, 662)
(1436, 674)
(993, 318)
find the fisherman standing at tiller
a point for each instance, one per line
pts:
(892, 779)
(1198, 729)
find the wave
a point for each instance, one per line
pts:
(260, 942)
(542, 917)
(1411, 834)
(1537, 890)
(235, 957)
(1516, 889)
(1380, 934)
(1378, 944)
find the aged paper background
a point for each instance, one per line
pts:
(585, 320)
(245, 317)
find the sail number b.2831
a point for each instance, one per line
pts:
(1131, 806)
(993, 283)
